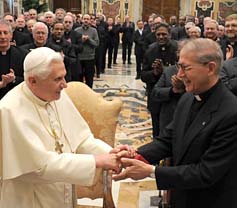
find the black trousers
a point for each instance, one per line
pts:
(88, 71)
(139, 61)
(126, 46)
(116, 46)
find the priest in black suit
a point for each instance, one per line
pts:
(138, 39)
(11, 60)
(202, 138)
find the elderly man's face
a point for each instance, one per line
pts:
(194, 75)
(40, 36)
(49, 19)
(210, 30)
(49, 89)
(5, 37)
(193, 32)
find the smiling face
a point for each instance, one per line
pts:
(197, 76)
(231, 29)
(162, 35)
(49, 89)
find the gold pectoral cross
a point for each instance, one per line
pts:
(58, 147)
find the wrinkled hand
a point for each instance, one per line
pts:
(7, 78)
(124, 151)
(229, 52)
(177, 83)
(108, 161)
(157, 67)
(134, 169)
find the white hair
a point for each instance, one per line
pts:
(37, 62)
(40, 24)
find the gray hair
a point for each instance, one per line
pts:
(50, 14)
(4, 22)
(37, 62)
(205, 50)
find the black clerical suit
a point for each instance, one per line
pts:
(228, 74)
(163, 94)
(68, 52)
(167, 53)
(21, 38)
(138, 38)
(127, 40)
(13, 59)
(117, 30)
(204, 152)
(75, 39)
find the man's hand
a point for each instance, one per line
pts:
(7, 78)
(85, 38)
(177, 83)
(134, 169)
(157, 67)
(108, 162)
(124, 151)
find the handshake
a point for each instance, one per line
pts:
(123, 156)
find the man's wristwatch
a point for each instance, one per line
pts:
(153, 175)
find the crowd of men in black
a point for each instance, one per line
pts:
(84, 41)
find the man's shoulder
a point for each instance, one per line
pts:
(231, 62)
(12, 100)
(19, 51)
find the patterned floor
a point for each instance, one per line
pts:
(134, 126)
(134, 129)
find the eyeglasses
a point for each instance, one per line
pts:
(188, 67)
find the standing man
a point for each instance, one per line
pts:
(159, 54)
(128, 29)
(19, 38)
(90, 41)
(47, 144)
(40, 35)
(202, 138)
(66, 48)
(117, 31)
(139, 37)
(75, 39)
(11, 60)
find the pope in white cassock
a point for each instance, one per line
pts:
(41, 131)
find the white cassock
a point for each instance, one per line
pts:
(34, 174)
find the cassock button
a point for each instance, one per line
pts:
(204, 123)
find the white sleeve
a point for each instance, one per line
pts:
(65, 167)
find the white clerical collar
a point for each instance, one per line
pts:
(4, 53)
(198, 98)
(29, 94)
